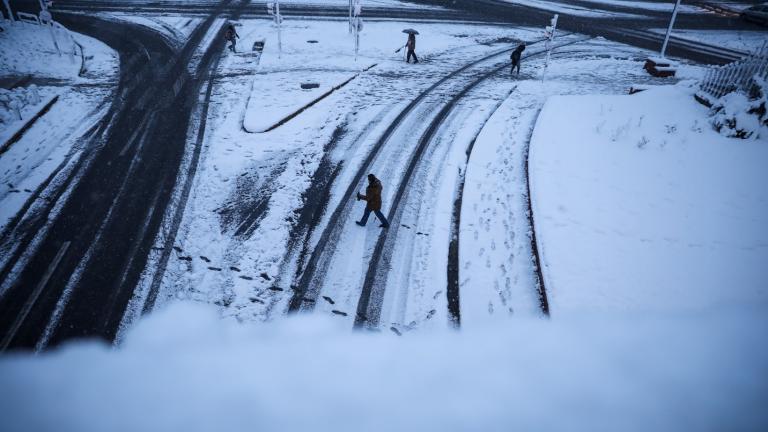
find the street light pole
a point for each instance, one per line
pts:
(669, 29)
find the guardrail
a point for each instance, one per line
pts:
(739, 75)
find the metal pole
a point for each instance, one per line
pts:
(279, 19)
(669, 29)
(358, 9)
(350, 16)
(550, 39)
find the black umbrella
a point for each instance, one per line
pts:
(410, 31)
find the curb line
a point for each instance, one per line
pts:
(302, 109)
(19, 133)
(538, 263)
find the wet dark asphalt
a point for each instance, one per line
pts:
(97, 246)
(104, 231)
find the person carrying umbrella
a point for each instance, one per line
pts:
(515, 57)
(410, 45)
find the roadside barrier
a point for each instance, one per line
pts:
(741, 75)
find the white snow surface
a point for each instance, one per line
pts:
(184, 368)
(656, 6)
(330, 61)
(242, 170)
(740, 40)
(27, 49)
(496, 272)
(625, 355)
(31, 49)
(640, 205)
(570, 9)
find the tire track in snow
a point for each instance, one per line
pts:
(372, 294)
(307, 286)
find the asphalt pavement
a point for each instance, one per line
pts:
(75, 267)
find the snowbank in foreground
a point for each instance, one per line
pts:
(185, 369)
(640, 205)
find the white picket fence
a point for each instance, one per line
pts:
(736, 76)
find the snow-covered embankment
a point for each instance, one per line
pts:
(641, 206)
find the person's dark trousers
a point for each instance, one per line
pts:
(411, 53)
(232, 47)
(379, 215)
(513, 68)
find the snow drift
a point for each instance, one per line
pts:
(186, 369)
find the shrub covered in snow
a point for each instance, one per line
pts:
(743, 116)
(12, 102)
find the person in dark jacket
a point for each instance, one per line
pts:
(231, 35)
(410, 45)
(515, 56)
(372, 199)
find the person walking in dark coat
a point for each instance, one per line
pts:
(411, 46)
(231, 35)
(515, 56)
(372, 199)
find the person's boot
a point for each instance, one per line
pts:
(360, 223)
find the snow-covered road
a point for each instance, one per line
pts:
(270, 224)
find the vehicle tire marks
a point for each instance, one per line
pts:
(307, 285)
(374, 284)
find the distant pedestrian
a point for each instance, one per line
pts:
(515, 56)
(410, 45)
(231, 35)
(372, 199)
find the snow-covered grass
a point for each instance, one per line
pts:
(497, 276)
(27, 49)
(30, 49)
(641, 206)
(185, 369)
(17, 105)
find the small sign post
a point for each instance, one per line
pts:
(357, 25)
(274, 10)
(549, 33)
